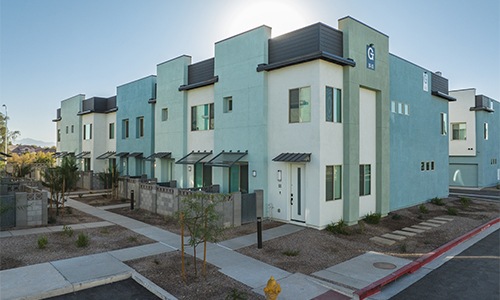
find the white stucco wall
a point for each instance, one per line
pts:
(320, 138)
(459, 111)
(367, 146)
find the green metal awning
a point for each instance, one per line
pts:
(121, 154)
(159, 155)
(293, 157)
(107, 154)
(226, 159)
(82, 154)
(193, 157)
(135, 154)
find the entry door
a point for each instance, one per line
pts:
(297, 193)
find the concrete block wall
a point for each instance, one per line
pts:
(147, 197)
(167, 201)
(31, 208)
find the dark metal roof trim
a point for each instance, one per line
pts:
(293, 157)
(82, 154)
(160, 155)
(199, 84)
(482, 108)
(305, 58)
(121, 154)
(135, 154)
(233, 158)
(105, 155)
(57, 120)
(201, 156)
(443, 95)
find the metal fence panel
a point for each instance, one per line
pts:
(248, 208)
(8, 211)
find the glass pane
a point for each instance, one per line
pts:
(234, 178)
(367, 190)
(338, 182)
(329, 182)
(338, 106)
(244, 178)
(305, 104)
(329, 104)
(294, 106)
(198, 175)
(207, 175)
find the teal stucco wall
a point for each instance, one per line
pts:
(415, 138)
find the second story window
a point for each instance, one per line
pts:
(333, 105)
(58, 135)
(164, 114)
(459, 131)
(111, 133)
(140, 127)
(444, 124)
(299, 105)
(202, 117)
(228, 104)
(125, 129)
(87, 131)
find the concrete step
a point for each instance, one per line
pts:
(405, 233)
(437, 221)
(443, 219)
(421, 227)
(393, 237)
(413, 230)
(382, 241)
(430, 224)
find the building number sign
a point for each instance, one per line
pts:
(370, 57)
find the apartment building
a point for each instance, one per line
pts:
(68, 127)
(474, 140)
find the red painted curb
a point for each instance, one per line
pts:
(420, 262)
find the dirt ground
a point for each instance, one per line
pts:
(306, 251)
(100, 200)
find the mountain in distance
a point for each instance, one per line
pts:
(29, 141)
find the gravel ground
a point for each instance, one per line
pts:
(306, 251)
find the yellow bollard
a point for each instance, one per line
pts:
(272, 289)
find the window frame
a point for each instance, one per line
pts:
(333, 104)
(111, 131)
(140, 127)
(365, 176)
(485, 130)
(125, 128)
(297, 117)
(459, 131)
(444, 124)
(228, 104)
(333, 187)
(209, 117)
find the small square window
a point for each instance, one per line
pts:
(228, 104)
(164, 114)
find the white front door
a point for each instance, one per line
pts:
(297, 193)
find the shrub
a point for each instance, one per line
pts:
(423, 209)
(340, 227)
(83, 240)
(465, 202)
(132, 239)
(69, 210)
(437, 201)
(236, 294)
(396, 217)
(373, 218)
(42, 242)
(452, 211)
(291, 252)
(68, 230)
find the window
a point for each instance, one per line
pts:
(393, 106)
(333, 182)
(67, 129)
(406, 109)
(228, 104)
(58, 135)
(86, 164)
(87, 131)
(202, 117)
(432, 165)
(444, 124)
(427, 166)
(422, 166)
(125, 129)
(111, 133)
(400, 108)
(364, 180)
(459, 131)
(300, 105)
(485, 131)
(140, 127)
(164, 114)
(333, 105)
(72, 128)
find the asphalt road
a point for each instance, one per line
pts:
(127, 289)
(472, 274)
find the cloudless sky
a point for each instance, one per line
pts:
(51, 50)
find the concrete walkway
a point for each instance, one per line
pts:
(68, 275)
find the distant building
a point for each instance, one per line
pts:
(474, 140)
(68, 127)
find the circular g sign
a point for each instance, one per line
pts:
(371, 53)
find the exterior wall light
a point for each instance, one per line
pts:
(189, 169)
(254, 173)
(280, 175)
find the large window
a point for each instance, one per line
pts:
(87, 131)
(459, 131)
(125, 128)
(333, 182)
(365, 180)
(333, 105)
(300, 105)
(140, 127)
(202, 117)
(111, 133)
(444, 124)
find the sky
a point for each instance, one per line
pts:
(51, 50)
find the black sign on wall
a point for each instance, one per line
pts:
(370, 57)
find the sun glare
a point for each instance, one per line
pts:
(281, 16)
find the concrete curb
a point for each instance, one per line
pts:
(420, 262)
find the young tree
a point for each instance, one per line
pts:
(199, 215)
(61, 180)
(110, 180)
